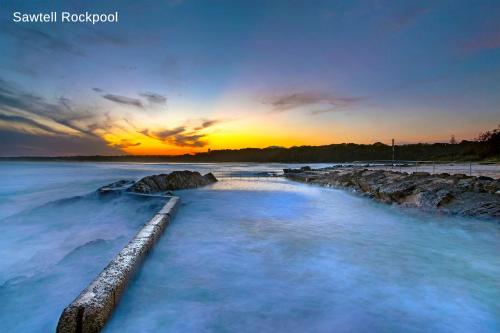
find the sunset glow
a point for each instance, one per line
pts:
(186, 76)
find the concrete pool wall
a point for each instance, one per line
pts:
(91, 309)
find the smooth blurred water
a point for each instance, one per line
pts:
(260, 255)
(56, 234)
(29, 184)
(276, 256)
(48, 254)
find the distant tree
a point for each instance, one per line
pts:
(490, 136)
(453, 141)
(491, 141)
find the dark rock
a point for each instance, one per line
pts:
(459, 176)
(210, 177)
(115, 187)
(302, 169)
(420, 174)
(455, 194)
(176, 180)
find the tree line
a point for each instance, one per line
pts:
(485, 148)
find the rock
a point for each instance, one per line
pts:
(455, 194)
(420, 174)
(176, 180)
(115, 187)
(302, 169)
(165, 183)
(210, 177)
(459, 176)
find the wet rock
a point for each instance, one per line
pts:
(302, 169)
(210, 177)
(176, 180)
(420, 174)
(163, 183)
(455, 194)
(115, 187)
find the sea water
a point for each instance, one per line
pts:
(276, 256)
(242, 255)
(56, 233)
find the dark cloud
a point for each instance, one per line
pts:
(124, 143)
(41, 39)
(27, 144)
(189, 140)
(292, 101)
(123, 100)
(154, 98)
(26, 113)
(209, 123)
(40, 49)
(13, 98)
(178, 136)
(50, 41)
(16, 119)
(165, 134)
(322, 111)
(65, 102)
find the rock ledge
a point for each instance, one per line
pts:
(453, 194)
(176, 180)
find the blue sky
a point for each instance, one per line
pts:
(184, 76)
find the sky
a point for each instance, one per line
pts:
(184, 76)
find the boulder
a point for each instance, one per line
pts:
(176, 180)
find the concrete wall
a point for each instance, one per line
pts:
(91, 309)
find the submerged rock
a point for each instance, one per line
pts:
(455, 194)
(303, 169)
(176, 180)
(115, 187)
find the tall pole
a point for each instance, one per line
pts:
(392, 151)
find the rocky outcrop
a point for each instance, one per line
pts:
(116, 187)
(176, 180)
(163, 183)
(454, 194)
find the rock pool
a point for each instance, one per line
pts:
(276, 256)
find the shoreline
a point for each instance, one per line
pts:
(455, 194)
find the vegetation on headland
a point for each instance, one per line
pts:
(485, 148)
